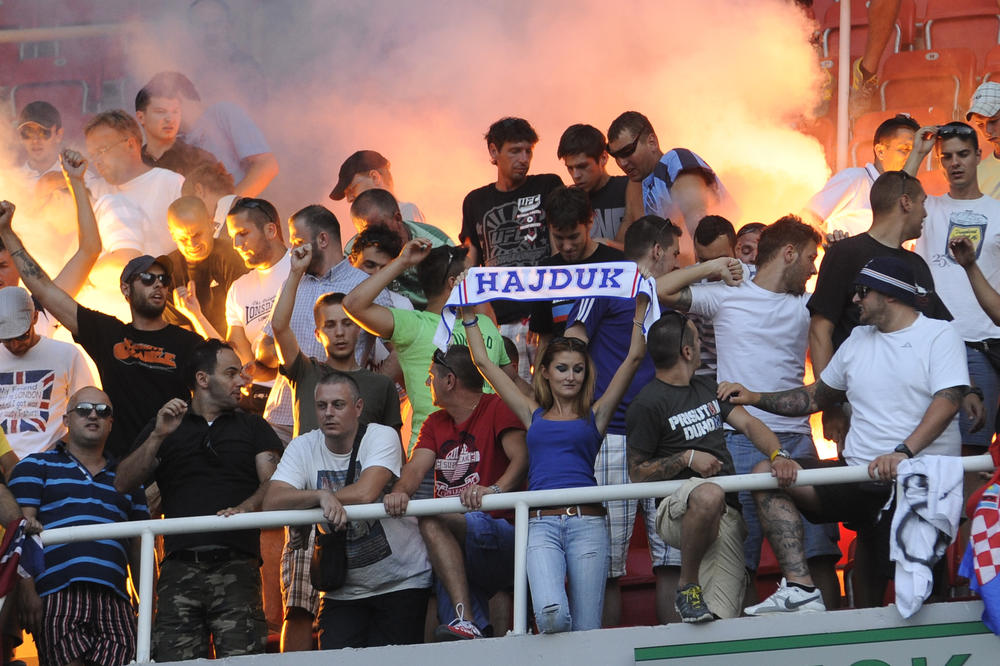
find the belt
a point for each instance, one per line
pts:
(211, 556)
(984, 345)
(573, 510)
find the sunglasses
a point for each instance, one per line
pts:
(244, 203)
(29, 133)
(149, 279)
(684, 319)
(21, 338)
(861, 290)
(949, 131)
(439, 359)
(83, 409)
(627, 150)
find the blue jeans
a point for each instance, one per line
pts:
(819, 539)
(985, 377)
(489, 567)
(574, 548)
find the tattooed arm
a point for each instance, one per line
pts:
(792, 402)
(55, 300)
(674, 290)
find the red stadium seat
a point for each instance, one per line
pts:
(941, 78)
(901, 39)
(972, 24)
(991, 65)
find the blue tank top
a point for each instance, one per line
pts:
(562, 453)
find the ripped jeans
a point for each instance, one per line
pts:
(574, 548)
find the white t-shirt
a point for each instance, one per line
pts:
(844, 203)
(123, 225)
(760, 338)
(978, 220)
(34, 391)
(384, 555)
(152, 191)
(251, 297)
(222, 207)
(891, 379)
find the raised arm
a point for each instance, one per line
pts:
(604, 408)
(674, 288)
(186, 302)
(74, 274)
(798, 401)
(520, 404)
(965, 254)
(359, 303)
(281, 316)
(49, 294)
(923, 143)
(259, 171)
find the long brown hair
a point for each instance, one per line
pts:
(543, 392)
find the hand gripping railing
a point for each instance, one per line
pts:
(519, 502)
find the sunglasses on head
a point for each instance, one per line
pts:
(149, 279)
(570, 343)
(439, 359)
(84, 409)
(949, 131)
(29, 133)
(626, 150)
(684, 319)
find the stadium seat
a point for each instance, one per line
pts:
(972, 24)
(991, 65)
(901, 39)
(942, 78)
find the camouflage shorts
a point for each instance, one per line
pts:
(196, 601)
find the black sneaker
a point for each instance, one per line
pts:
(690, 605)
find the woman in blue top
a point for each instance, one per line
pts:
(565, 430)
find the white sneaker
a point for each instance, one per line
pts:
(458, 629)
(789, 599)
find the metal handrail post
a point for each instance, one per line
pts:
(144, 630)
(521, 568)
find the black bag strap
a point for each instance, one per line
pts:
(349, 478)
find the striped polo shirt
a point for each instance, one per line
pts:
(65, 494)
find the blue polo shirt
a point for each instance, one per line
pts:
(65, 494)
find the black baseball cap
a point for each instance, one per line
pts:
(359, 162)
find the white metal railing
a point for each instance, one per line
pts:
(519, 502)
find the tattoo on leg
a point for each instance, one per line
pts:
(783, 529)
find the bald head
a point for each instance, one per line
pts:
(192, 228)
(88, 394)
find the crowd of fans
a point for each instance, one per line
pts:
(259, 372)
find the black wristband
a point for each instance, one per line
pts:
(467, 324)
(904, 449)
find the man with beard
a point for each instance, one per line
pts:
(139, 362)
(748, 319)
(905, 377)
(503, 223)
(256, 232)
(207, 458)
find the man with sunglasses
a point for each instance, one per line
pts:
(208, 458)
(905, 377)
(963, 212)
(79, 609)
(677, 185)
(138, 362)
(37, 376)
(503, 223)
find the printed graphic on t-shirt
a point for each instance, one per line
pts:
(147, 355)
(963, 224)
(514, 234)
(697, 422)
(607, 221)
(456, 467)
(260, 309)
(366, 541)
(25, 399)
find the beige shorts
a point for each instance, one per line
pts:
(722, 574)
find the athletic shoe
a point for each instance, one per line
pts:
(789, 599)
(458, 629)
(690, 605)
(863, 91)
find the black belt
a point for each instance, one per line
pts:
(211, 556)
(984, 345)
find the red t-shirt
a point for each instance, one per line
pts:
(468, 453)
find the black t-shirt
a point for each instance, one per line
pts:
(212, 279)
(609, 207)
(664, 420)
(550, 316)
(509, 229)
(140, 370)
(834, 292)
(181, 158)
(206, 468)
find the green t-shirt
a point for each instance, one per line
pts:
(413, 339)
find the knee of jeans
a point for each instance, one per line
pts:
(553, 619)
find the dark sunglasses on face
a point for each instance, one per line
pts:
(627, 150)
(861, 290)
(30, 133)
(83, 409)
(149, 278)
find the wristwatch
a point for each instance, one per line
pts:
(495, 488)
(781, 453)
(904, 449)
